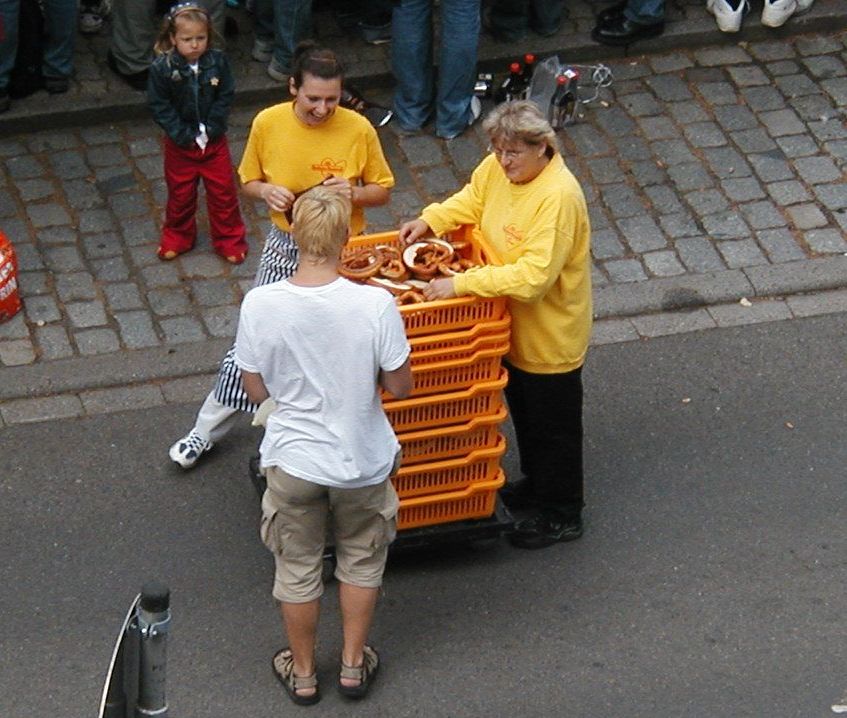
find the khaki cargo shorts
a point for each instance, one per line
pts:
(296, 515)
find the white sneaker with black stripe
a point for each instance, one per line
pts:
(775, 13)
(187, 451)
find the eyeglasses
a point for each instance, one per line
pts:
(507, 154)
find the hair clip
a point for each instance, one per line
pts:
(182, 7)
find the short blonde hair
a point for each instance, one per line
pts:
(521, 120)
(321, 222)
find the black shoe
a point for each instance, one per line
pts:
(611, 13)
(544, 529)
(518, 495)
(623, 31)
(136, 80)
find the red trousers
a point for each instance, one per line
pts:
(183, 170)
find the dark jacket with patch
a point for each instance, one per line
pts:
(181, 99)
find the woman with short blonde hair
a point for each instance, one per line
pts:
(523, 121)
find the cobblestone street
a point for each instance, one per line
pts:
(712, 174)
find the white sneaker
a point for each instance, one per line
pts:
(187, 451)
(776, 12)
(803, 6)
(727, 18)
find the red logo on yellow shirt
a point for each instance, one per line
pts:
(330, 166)
(514, 236)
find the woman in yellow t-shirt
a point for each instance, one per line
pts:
(292, 147)
(531, 209)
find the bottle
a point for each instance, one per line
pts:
(527, 72)
(513, 87)
(563, 104)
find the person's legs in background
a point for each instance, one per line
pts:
(411, 62)
(460, 24)
(645, 12)
(292, 23)
(9, 11)
(508, 20)
(60, 25)
(133, 35)
(637, 20)
(263, 31)
(546, 16)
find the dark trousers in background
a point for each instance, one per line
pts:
(511, 19)
(184, 167)
(546, 411)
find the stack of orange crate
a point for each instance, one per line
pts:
(449, 427)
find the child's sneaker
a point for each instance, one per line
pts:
(92, 14)
(187, 451)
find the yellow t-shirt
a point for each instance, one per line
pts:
(542, 233)
(284, 151)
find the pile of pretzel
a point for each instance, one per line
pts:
(405, 273)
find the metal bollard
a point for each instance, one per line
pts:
(153, 623)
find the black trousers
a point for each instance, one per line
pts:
(546, 411)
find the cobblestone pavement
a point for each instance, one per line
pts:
(713, 175)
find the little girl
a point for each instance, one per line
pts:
(190, 90)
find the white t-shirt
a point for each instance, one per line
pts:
(319, 351)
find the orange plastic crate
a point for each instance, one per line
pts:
(475, 502)
(444, 315)
(444, 376)
(455, 345)
(454, 407)
(450, 475)
(447, 442)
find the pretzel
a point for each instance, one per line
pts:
(360, 264)
(428, 257)
(411, 297)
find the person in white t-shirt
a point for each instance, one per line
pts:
(320, 347)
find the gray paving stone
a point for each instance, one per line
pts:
(809, 275)
(198, 264)
(105, 156)
(16, 352)
(814, 107)
(605, 170)
(704, 134)
(669, 63)
(100, 135)
(826, 241)
(111, 269)
(123, 296)
(145, 146)
(681, 224)
(788, 192)
(8, 206)
(139, 231)
(663, 263)
(837, 90)
(51, 141)
(664, 199)
(631, 148)
(797, 146)
(11, 148)
(707, 201)
(726, 162)
(168, 302)
(628, 70)
(605, 244)
(735, 117)
(817, 170)
(189, 389)
(621, 200)
(796, 85)
(14, 328)
(669, 88)
(75, 286)
(465, 153)
(832, 196)
(86, 314)
(771, 50)
(99, 246)
(82, 194)
(648, 173)
(721, 56)
(819, 303)
(136, 329)
(642, 104)
(438, 182)
(96, 341)
(686, 112)
(700, 75)
(150, 167)
(672, 152)
(756, 140)
(599, 218)
(817, 45)
(212, 292)
(63, 259)
(587, 140)
(57, 235)
(829, 129)
(110, 180)
(806, 216)
(33, 283)
(128, 204)
(49, 408)
(625, 270)
(762, 99)
(69, 165)
(34, 189)
(161, 275)
(825, 66)
(96, 220)
(615, 122)
(699, 255)
(733, 315)
(690, 176)
(612, 331)
(421, 150)
(718, 93)
(782, 122)
(106, 401)
(24, 166)
(780, 245)
(29, 258)
(598, 278)
(742, 189)
(221, 321)
(180, 330)
(783, 67)
(762, 215)
(42, 309)
(741, 253)
(657, 128)
(748, 75)
(657, 325)
(725, 225)
(47, 214)
(771, 166)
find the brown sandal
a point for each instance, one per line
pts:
(283, 668)
(365, 674)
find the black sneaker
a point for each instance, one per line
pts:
(518, 495)
(544, 529)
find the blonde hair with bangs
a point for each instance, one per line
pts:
(321, 222)
(522, 121)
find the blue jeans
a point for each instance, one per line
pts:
(645, 12)
(415, 96)
(510, 19)
(286, 22)
(60, 28)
